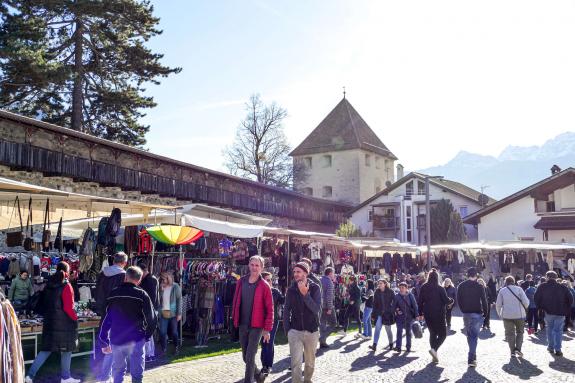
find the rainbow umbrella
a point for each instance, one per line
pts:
(174, 235)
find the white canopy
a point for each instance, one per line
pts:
(236, 230)
(502, 246)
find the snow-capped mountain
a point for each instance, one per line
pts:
(514, 169)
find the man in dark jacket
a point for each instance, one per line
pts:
(301, 322)
(473, 304)
(129, 322)
(267, 354)
(328, 320)
(353, 306)
(110, 278)
(253, 314)
(150, 285)
(555, 300)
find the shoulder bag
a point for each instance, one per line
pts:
(29, 240)
(520, 301)
(15, 238)
(46, 234)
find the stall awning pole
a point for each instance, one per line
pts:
(288, 260)
(181, 267)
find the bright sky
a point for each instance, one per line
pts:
(431, 78)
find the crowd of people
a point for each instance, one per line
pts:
(133, 304)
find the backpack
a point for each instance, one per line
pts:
(87, 250)
(102, 231)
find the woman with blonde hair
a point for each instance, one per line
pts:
(452, 294)
(490, 301)
(170, 311)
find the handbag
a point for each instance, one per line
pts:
(15, 238)
(46, 233)
(417, 329)
(58, 243)
(29, 241)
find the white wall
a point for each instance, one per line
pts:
(511, 222)
(565, 198)
(562, 236)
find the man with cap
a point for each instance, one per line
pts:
(301, 322)
(473, 304)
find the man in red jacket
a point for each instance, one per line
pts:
(253, 313)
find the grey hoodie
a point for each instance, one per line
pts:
(110, 278)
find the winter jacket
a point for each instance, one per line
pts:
(492, 291)
(471, 298)
(509, 306)
(384, 306)
(355, 294)
(110, 278)
(129, 316)
(452, 293)
(20, 289)
(553, 298)
(151, 286)
(530, 293)
(175, 300)
(262, 309)
(60, 326)
(328, 293)
(432, 301)
(302, 312)
(279, 300)
(405, 307)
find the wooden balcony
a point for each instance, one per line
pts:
(381, 222)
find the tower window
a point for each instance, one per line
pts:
(307, 191)
(327, 161)
(307, 161)
(368, 160)
(377, 162)
(326, 192)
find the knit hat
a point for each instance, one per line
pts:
(303, 266)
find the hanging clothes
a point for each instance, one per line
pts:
(550, 259)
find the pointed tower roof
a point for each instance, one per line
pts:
(342, 129)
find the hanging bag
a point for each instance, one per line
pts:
(15, 238)
(58, 243)
(29, 241)
(46, 233)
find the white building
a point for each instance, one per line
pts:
(544, 211)
(398, 211)
(342, 159)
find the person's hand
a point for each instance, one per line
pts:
(178, 318)
(266, 336)
(303, 287)
(328, 312)
(351, 302)
(107, 350)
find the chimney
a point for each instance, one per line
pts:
(555, 169)
(399, 172)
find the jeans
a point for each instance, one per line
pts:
(352, 312)
(267, 354)
(532, 318)
(378, 326)
(249, 340)
(302, 342)
(168, 327)
(554, 325)
(367, 321)
(327, 324)
(514, 333)
(65, 360)
(448, 316)
(134, 351)
(472, 323)
(403, 324)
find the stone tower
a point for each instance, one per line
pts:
(342, 159)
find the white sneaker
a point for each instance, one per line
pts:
(28, 380)
(70, 380)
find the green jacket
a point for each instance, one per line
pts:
(175, 300)
(20, 289)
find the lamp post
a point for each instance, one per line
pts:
(428, 219)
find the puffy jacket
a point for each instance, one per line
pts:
(302, 312)
(509, 306)
(328, 293)
(451, 293)
(384, 306)
(553, 298)
(129, 316)
(432, 301)
(355, 294)
(20, 289)
(530, 293)
(110, 278)
(263, 307)
(59, 330)
(151, 286)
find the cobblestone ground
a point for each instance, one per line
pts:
(350, 360)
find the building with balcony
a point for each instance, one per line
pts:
(398, 211)
(544, 211)
(342, 159)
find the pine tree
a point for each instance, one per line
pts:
(80, 64)
(456, 232)
(440, 217)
